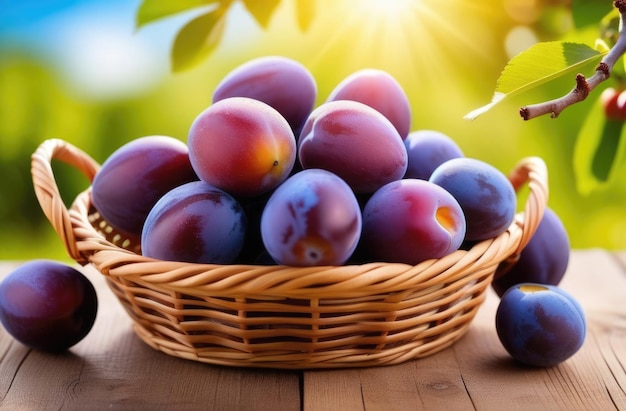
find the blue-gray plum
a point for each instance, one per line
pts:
(412, 220)
(540, 324)
(427, 150)
(195, 223)
(313, 218)
(134, 177)
(47, 305)
(485, 194)
(544, 259)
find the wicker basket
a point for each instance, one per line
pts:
(287, 317)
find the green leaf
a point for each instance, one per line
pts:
(590, 12)
(261, 10)
(151, 10)
(538, 65)
(196, 40)
(599, 151)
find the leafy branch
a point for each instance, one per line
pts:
(546, 61)
(583, 86)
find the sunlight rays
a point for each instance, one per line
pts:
(406, 37)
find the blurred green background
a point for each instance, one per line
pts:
(81, 70)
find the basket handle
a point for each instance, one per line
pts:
(47, 191)
(533, 172)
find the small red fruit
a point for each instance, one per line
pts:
(614, 104)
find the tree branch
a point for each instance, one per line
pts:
(584, 86)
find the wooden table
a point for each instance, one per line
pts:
(113, 369)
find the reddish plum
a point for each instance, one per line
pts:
(242, 145)
(379, 90)
(281, 82)
(355, 142)
(195, 223)
(412, 220)
(135, 176)
(47, 305)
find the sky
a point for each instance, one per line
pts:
(93, 44)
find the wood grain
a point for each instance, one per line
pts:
(113, 369)
(477, 373)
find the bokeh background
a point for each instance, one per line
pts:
(82, 71)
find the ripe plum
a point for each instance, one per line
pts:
(540, 324)
(242, 146)
(379, 90)
(281, 82)
(313, 218)
(355, 142)
(196, 223)
(135, 176)
(545, 258)
(427, 150)
(485, 194)
(412, 220)
(47, 305)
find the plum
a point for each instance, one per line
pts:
(134, 177)
(379, 90)
(355, 142)
(195, 223)
(412, 220)
(427, 150)
(242, 146)
(544, 259)
(47, 305)
(313, 218)
(485, 194)
(281, 82)
(540, 324)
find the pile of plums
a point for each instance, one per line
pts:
(266, 177)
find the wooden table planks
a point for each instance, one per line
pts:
(112, 369)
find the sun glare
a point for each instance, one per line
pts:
(418, 40)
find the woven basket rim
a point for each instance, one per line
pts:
(280, 280)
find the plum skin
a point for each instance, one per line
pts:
(545, 258)
(540, 324)
(412, 220)
(195, 223)
(135, 176)
(379, 90)
(283, 83)
(427, 150)
(242, 146)
(47, 305)
(355, 142)
(313, 218)
(485, 194)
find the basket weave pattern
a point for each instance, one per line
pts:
(280, 316)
